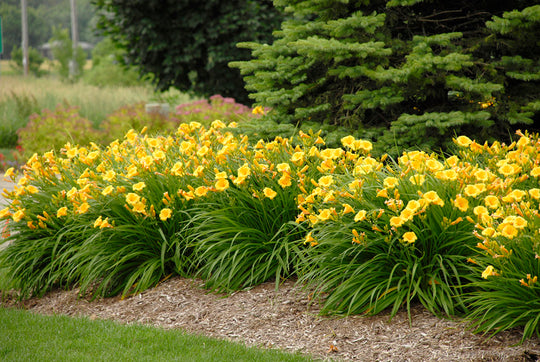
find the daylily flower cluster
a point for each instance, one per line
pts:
(493, 187)
(200, 161)
(475, 213)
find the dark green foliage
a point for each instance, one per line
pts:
(241, 241)
(408, 73)
(513, 298)
(188, 43)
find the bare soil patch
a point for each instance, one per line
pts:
(287, 319)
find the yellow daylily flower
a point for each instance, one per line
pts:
(9, 172)
(325, 214)
(18, 215)
(107, 190)
(396, 221)
(409, 237)
(489, 271)
(139, 208)
(347, 209)
(433, 198)
(326, 181)
(360, 216)
(285, 180)
(139, 186)
(463, 141)
(132, 198)
(98, 222)
(31, 189)
(268, 192)
(461, 203)
(165, 214)
(201, 191)
(390, 182)
(61, 212)
(5, 212)
(83, 208)
(492, 201)
(244, 171)
(222, 184)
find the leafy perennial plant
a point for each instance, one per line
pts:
(460, 234)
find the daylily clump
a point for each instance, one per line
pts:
(156, 185)
(436, 224)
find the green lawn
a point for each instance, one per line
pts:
(30, 337)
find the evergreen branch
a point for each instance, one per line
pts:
(426, 18)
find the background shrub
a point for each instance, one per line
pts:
(62, 49)
(107, 68)
(15, 108)
(50, 130)
(404, 73)
(35, 60)
(221, 108)
(135, 117)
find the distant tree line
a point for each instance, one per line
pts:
(43, 15)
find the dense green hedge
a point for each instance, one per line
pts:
(187, 44)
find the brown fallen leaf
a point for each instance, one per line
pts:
(332, 349)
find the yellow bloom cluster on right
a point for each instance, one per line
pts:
(494, 196)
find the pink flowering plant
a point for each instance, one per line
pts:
(217, 107)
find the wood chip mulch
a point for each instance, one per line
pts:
(287, 319)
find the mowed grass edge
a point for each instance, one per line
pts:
(32, 337)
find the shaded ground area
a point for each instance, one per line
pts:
(289, 320)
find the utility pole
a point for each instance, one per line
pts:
(26, 61)
(74, 38)
(1, 42)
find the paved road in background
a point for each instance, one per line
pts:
(5, 184)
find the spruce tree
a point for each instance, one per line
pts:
(406, 73)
